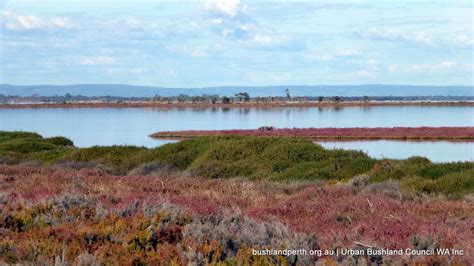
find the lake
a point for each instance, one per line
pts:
(436, 151)
(131, 126)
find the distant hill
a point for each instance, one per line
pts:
(295, 90)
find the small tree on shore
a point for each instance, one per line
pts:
(337, 99)
(225, 100)
(243, 96)
(288, 96)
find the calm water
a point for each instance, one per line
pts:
(436, 151)
(131, 126)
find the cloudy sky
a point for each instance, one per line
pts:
(232, 42)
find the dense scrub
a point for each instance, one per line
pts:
(87, 217)
(281, 159)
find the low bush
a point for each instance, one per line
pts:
(117, 159)
(277, 158)
(60, 141)
(26, 146)
(389, 188)
(223, 237)
(20, 145)
(15, 135)
(418, 174)
(454, 185)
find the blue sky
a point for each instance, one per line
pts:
(231, 42)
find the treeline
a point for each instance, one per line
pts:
(215, 99)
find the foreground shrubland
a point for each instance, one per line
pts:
(89, 217)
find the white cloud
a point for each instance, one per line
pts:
(441, 67)
(349, 52)
(226, 7)
(133, 70)
(339, 56)
(127, 24)
(171, 73)
(229, 18)
(266, 77)
(393, 68)
(98, 60)
(464, 39)
(380, 34)
(326, 58)
(216, 21)
(420, 37)
(423, 68)
(14, 22)
(263, 39)
(364, 74)
(416, 37)
(444, 65)
(271, 40)
(280, 77)
(197, 53)
(372, 62)
(61, 22)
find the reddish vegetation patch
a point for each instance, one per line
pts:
(414, 133)
(337, 215)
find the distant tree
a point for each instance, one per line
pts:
(198, 99)
(246, 97)
(320, 98)
(225, 100)
(239, 96)
(337, 99)
(366, 99)
(288, 96)
(182, 98)
(243, 96)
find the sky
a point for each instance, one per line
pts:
(232, 42)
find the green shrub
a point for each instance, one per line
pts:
(454, 185)
(51, 156)
(179, 155)
(20, 145)
(277, 158)
(427, 169)
(120, 158)
(16, 135)
(24, 146)
(60, 141)
(385, 170)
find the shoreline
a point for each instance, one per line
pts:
(379, 133)
(230, 105)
